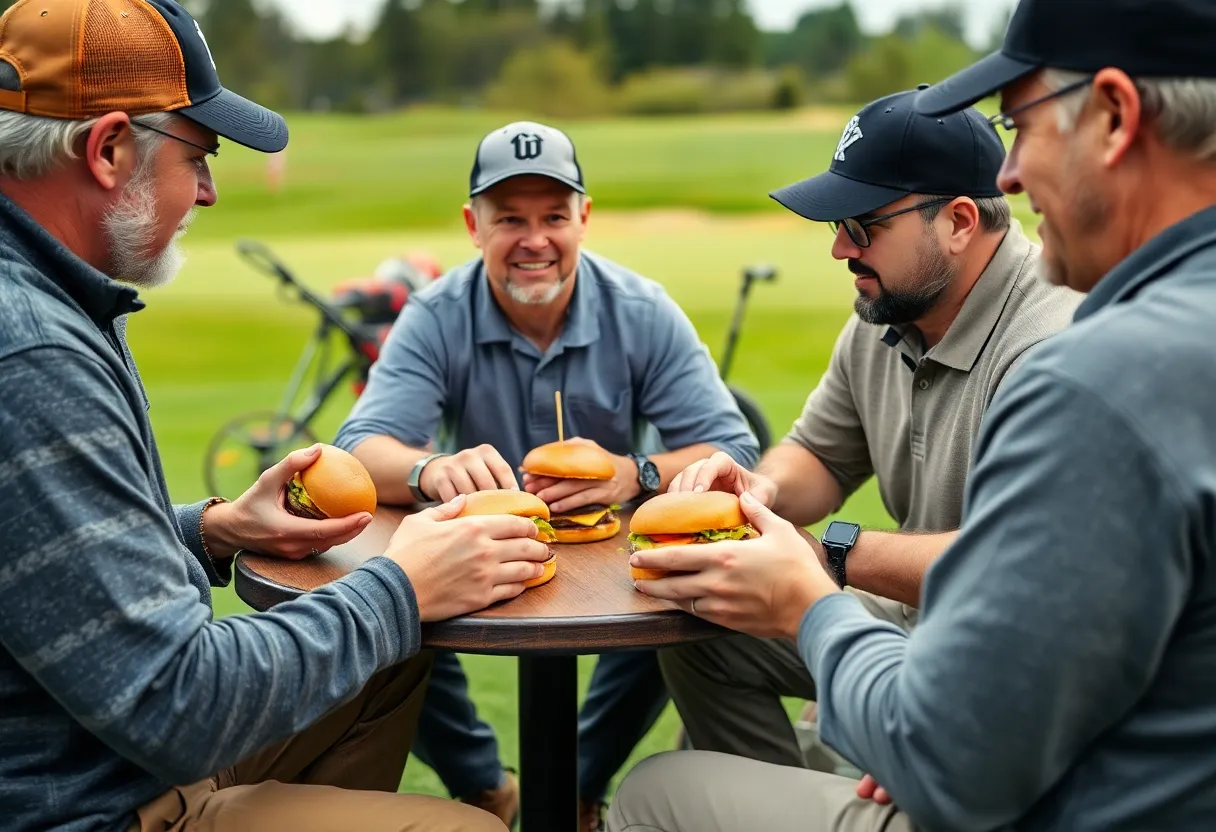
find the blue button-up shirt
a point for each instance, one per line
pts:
(632, 372)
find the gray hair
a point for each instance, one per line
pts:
(33, 146)
(1182, 109)
(995, 212)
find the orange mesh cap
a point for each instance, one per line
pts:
(80, 59)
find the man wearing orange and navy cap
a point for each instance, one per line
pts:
(123, 704)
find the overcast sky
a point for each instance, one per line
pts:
(324, 17)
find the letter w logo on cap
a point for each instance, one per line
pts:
(852, 135)
(203, 38)
(527, 146)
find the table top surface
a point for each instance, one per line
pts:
(590, 605)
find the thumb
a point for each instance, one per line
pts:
(759, 515)
(444, 511)
(293, 463)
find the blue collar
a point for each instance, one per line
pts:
(582, 325)
(1152, 261)
(102, 298)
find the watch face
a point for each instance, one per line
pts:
(840, 534)
(650, 476)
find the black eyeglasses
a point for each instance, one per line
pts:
(210, 151)
(1006, 119)
(859, 229)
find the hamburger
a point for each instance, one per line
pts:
(520, 504)
(576, 461)
(335, 485)
(682, 518)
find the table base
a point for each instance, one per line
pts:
(548, 743)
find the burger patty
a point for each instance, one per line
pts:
(559, 521)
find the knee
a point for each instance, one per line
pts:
(646, 795)
(472, 819)
(453, 816)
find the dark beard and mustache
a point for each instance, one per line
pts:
(932, 275)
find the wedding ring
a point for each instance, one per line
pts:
(693, 606)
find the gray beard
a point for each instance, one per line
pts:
(530, 297)
(130, 226)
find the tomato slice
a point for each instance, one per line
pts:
(673, 539)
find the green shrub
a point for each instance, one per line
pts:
(682, 90)
(554, 80)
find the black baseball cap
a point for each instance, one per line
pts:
(522, 148)
(888, 151)
(1144, 38)
(79, 59)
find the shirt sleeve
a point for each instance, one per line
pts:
(683, 395)
(97, 607)
(407, 388)
(830, 426)
(1042, 625)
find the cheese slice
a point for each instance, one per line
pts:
(585, 519)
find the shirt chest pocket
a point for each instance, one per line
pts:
(607, 419)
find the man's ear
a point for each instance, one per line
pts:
(109, 151)
(964, 216)
(470, 224)
(584, 214)
(1118, 101)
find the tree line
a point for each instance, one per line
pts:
(584, 57)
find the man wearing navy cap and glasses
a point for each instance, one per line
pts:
(948, 300)
(1063, 674)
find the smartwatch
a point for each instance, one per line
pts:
(838, 539)
(648, 475)
(416, 477)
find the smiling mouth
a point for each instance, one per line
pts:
(535, 265)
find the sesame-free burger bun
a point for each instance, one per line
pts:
(509, 501)
(687, 512)
(336, 485)
(569, 461)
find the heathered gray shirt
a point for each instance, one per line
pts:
(115, 682)
(1063, 675)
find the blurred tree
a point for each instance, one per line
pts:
(894, 63)
(949, 19)
(821, 42)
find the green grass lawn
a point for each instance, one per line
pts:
(220, 342)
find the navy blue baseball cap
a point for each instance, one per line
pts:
(80, 59)
(1144, 38)
(888, 151)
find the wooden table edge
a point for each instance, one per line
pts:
(518, 636)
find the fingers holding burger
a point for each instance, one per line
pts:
(519, 504)
(683, 518)
(335, 485)
(584, 463)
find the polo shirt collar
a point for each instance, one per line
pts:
(963, 342)
(581, 327)
(1151, 261)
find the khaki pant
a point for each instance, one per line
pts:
(728, 690)
(702, 791)
(340, 774)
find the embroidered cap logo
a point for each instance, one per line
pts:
(852, 135)
(527, 146)
(203, 38)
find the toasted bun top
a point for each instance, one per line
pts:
(338, 484)
(505, 501)
(686, 512)
(569, 460)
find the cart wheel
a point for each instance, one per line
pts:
(245, 447)
(755, 418)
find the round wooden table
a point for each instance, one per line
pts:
(590, 606)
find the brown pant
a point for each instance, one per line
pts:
(342, 773)
(704, 791)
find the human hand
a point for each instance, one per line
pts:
(868, 789)
(461, 564)
(762, 586)
(259, 521)
(564, 495)
(720, 472)
(473, 469)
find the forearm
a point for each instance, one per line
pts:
(390, 462)
(893, 564)
(806, 491)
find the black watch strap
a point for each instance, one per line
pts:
(838, 540)
(836, 560)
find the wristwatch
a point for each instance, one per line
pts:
(838, 539)
(648, 475)
(416, 477)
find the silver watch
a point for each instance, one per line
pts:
(416, 477)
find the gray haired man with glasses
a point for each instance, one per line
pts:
(948, 300)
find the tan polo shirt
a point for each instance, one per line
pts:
(885, 407)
